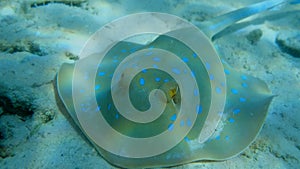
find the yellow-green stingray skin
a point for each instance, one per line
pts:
(247, 102)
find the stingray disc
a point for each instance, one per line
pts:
(160, 101)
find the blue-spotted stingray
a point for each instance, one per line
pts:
(164, 102)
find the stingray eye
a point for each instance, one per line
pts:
(172, 92)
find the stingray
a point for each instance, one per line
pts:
(163, 98)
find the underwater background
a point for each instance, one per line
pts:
(38, 36)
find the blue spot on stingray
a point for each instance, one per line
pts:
(186, 139)
(199, 109)
(156, 59)
(149, 53)
(117, 116)
(171, 127)
(211, 77)
(207, 66)
(142, 81)
(115, 60)
(234, 91)
(84, 109)
(226, 138)
(185, 59)
(101, 73)
(189, 122)
(220, 114)
(166, 80)
(155, 66)
(218, 90)
(196, 92)
(98, 108)
(181, 123)
(244, 77)
(109, 106)
(151, 47)
(157, 79)
(227, 72)
(97, 87)
(81, 90)
(173, 118)
(176, 71)
(123, 50)
(231, 120)
(236, 111)
(242, 99)
(193, 74)
(218, 137)
(144, 70)
(194, 55)
(244, 85)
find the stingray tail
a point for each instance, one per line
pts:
(214, 26)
